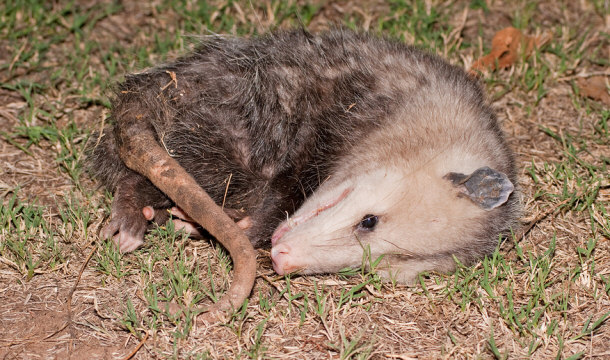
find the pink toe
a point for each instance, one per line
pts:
(148, 212)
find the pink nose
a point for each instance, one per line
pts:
(280, 256)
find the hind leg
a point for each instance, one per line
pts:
(135, 199)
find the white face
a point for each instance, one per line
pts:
(386, 211)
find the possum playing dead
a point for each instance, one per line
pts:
(327, 147)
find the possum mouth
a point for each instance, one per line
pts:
(297, 220)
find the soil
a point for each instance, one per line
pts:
(64, 310)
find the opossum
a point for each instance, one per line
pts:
(329, 147)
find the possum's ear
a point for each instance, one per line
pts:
(486, 187)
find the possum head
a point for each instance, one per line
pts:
(417, 220)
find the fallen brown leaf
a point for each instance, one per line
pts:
(595, 87)
(506, 46)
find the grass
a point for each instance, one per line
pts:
(545, 295)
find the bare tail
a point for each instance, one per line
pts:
(141, 152)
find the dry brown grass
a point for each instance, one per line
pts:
(54, 79)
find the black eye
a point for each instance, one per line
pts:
(368, 221)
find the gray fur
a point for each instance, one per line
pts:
(281, 114)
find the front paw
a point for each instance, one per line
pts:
(127, 229)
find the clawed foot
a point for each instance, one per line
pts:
(128, 226)
(129, 223)
(182, 221)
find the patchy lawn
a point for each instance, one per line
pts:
(63, 292)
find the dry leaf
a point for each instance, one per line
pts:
(506, 46)
(595, 87)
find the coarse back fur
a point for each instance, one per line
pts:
(264, 124)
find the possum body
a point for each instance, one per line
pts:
(329, 146)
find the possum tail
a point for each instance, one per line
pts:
(141, 152)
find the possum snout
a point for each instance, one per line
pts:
(283, 259)
(286, 226)
(289, 255)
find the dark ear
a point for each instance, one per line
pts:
(486, 187)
